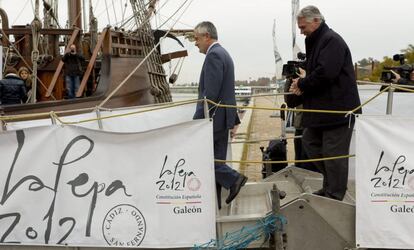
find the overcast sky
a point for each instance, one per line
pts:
(372, 28)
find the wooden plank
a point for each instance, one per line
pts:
(168, 57)
(91, 62)
(156, 73)
(125, 46)
(24, 31)
(60, 66)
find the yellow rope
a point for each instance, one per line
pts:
(270, 139)
(175, 104)
(370, 99)
(384, 84)
(45, 114)
(403, 88)
(40, 115)
(126, 114)
(263, 95)
(288, 161)
(280, 109)
(308, 110)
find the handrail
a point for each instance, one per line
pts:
(61, 63)
(92, 62)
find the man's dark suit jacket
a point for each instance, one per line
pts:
(217, 84)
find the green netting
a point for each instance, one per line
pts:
(242, 238)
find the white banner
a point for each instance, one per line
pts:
(384, 182)
(79, 187)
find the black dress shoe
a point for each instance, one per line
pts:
(320, 192)
(235, 188)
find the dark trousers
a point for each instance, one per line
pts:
(300, 153)
(225, 176)
(329, 142)
(72, 86)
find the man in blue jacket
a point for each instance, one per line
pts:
(329, 84)
(217, 84)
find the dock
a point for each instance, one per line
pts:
(258, 124)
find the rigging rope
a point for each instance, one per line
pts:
(107, 12)
(123, 10)
(131, 18)
(185, 24)
(116, 19)
(145, 59)
(288, 161)
(24, 61)
(21, 12)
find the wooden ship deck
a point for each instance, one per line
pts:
(113, 56)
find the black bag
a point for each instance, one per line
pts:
(276, 151)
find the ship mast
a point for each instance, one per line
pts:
(50, 13)
(160, 88)
(84, 15)
(93, 26)
(74, 17)
(74, 14)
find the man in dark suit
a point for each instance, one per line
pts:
(329, 84)
(217, 84)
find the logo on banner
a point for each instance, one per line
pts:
(174, 177)
(394, 175)
(395, 182)
(175, 182)
(194, 184)
(120, 218)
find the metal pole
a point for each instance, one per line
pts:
(98, 115)
(53, 119)
(206, 113)
(276, 211)
(268, 168)
(390, 100)
(2, 126)
(276, 113)
(283, 117)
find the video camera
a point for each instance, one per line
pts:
(291, 68)
(404, 70)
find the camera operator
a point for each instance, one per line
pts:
(329, 84)
(300, 153)
(399, 80)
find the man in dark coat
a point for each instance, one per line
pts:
(12, 88)
(217, 84)
(329, 84)
(73, 70)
